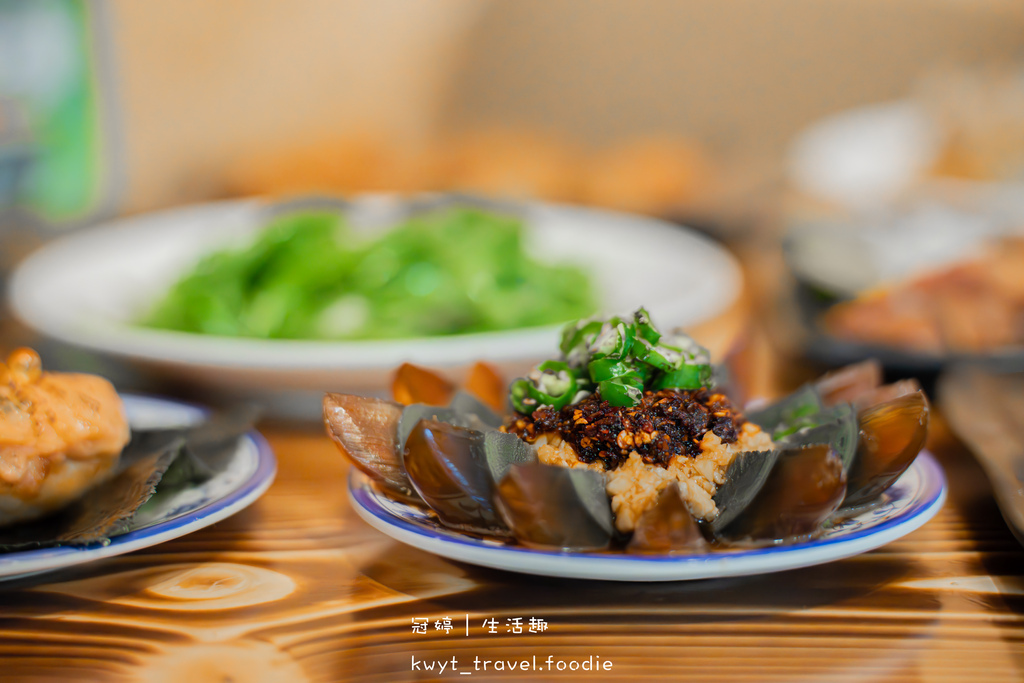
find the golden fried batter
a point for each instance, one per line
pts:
(60, 434)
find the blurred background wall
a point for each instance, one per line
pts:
(202, 84)
(743, 74)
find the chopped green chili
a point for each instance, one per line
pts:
(621, 358)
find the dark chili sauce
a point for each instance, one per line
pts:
(664, 424)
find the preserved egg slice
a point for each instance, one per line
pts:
(542, 505)
(789, 414)
(847, 383)
(886, 393)
(463, 411)
(891, 435)
(836, 427)
(413, 384)
(746, 475)
(802, 490)
(448, 467)
(504, 450)
(467, 404)
(487, 384)
(365, 430)
(668, 526)
(413, 414)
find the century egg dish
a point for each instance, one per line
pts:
(665, 426)
(627, 441)
(689, 437)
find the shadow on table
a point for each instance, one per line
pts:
(706, 599)
(851, 616)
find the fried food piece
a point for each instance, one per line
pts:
(976, 306)
(60, 434)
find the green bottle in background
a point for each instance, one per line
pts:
(56, 139)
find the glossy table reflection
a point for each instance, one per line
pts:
(298, 588)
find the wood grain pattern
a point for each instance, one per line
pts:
(297, 588)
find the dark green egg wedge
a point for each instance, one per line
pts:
(447, 466)
(803, 489)
(465, 403)
(542, 505)
(743, 480)
(668, 526)
(412, 414)
(788, 414)
(503, 450)
(465, 410)
(836, 427)
(365, 430)
(591, 493)
(892, 433)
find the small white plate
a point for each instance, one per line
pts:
(866, 156)
(912, 501)
(877, 156)
(88, 288)
(248, 475)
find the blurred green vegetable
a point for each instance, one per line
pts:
(309, 276)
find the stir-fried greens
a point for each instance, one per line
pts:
(311, 276)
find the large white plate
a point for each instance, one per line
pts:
(88, 288)
(910, 502)
(249, 473)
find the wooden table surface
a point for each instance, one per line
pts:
(298, 588)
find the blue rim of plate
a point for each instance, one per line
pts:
(253, 487)
(923, 505)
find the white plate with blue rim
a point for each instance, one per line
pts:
(248, 474)
(914, 499)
